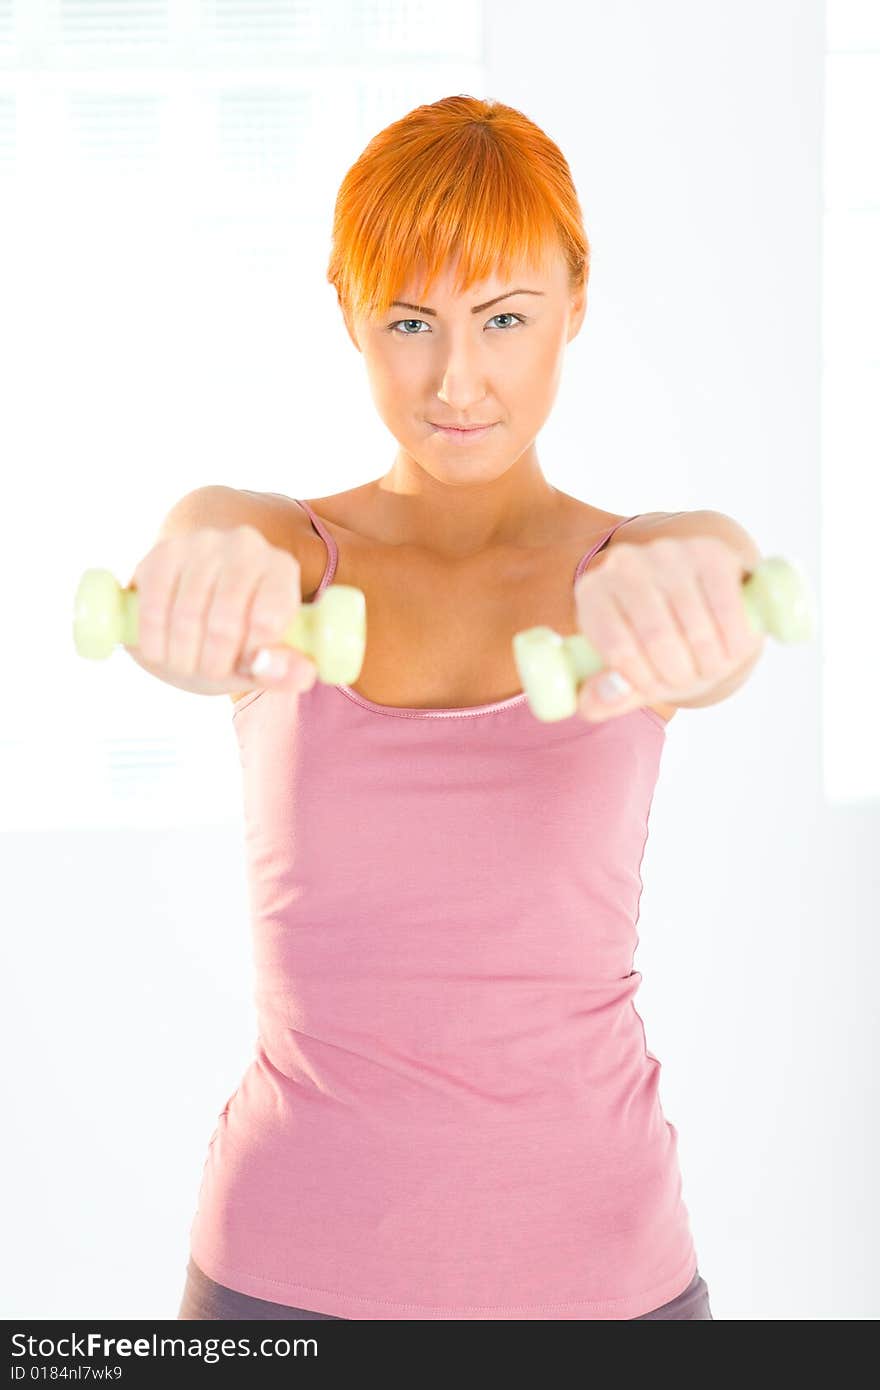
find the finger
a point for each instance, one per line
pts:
(155, 581)
(275, 605)
(640, 587)
(191, 603)
(607, 628)
(724, 600)
(276, 601)
(242, 568)
(695, 620)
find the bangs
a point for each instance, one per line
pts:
(465, 184)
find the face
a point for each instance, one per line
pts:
(498, 365)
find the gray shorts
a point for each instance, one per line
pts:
(204, 1300)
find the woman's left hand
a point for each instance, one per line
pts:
(668, 616)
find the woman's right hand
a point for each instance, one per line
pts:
(208, 600)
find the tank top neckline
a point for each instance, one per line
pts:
(430, 711)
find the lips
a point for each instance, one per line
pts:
(462, 438)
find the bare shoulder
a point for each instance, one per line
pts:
(278, 518)
(348, 510)
(286, 525)
(578, 522)
(638, 527)
(631, 531)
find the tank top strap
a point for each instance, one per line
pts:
(600, 544)
(326, 537)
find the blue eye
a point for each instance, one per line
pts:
(392, 326)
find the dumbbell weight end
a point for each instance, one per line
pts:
(552, 668)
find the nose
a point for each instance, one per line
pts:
(462, 387)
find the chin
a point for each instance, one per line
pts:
(463, 469)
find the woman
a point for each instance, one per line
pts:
(452, 1112)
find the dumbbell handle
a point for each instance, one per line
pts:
(776, 600)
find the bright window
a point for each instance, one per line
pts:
(171, 168)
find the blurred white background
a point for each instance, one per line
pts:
(167, 176)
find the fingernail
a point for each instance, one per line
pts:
(268, 664)
(611, 686)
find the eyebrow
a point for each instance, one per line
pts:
(420, 308)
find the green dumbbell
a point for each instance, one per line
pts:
(552, 668)
(332, 631)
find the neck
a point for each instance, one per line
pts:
(411, 507)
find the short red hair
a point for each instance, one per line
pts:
(461, 179)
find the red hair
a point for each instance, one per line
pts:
(461, 179)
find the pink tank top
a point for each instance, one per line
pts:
(451, 1112)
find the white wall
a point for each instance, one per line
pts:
(694, 134)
